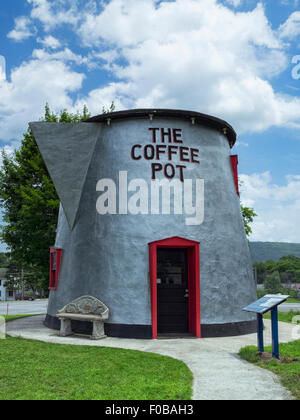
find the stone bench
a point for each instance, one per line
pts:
(85, 308)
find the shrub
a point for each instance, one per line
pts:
(272, 283)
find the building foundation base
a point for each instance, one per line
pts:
(145, 331)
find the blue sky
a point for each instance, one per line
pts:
(235, 59)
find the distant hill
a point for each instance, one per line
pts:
(264, 251)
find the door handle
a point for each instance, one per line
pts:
(186, 293)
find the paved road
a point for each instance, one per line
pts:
(24, 308)
(287, 307)
(40, 307)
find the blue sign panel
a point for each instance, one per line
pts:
(266, 303)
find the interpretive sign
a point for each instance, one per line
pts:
(260, 307)
(266, 303)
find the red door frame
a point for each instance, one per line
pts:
(193, 280)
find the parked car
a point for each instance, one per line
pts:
(26, 297)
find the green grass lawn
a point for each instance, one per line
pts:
(284, 316)
(12, 317)
(33, 370)
(292, 300)
(288, 368)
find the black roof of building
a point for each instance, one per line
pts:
(196, 117)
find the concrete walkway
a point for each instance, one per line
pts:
(219, 374)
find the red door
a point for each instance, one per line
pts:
(191, 284)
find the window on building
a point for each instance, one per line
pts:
(55, 261)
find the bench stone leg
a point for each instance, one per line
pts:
(98, 330)
(65, 327)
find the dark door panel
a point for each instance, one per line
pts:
(172, 290)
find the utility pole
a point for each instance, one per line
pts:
(255, 274)
(22, 283)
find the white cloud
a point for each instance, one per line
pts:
(290, 29)
(65, 55)
(31, 85)
(234, 3)
(23, 29)
(127, 22)
(195, 55)
(103, 97)
(187, 54)
(290, 3)
(50, 42)
(278, 207)
(2, 68)
(241, 143)
(54, 13)
(9, 149)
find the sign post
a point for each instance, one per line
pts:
(275, 339)
(260, 307)
(260, 333)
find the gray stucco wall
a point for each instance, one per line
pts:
(107, 255)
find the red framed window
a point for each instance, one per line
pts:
(55, 262)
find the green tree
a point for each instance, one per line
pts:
(289, 268)
(112, 108)
(18, 278)
(4, 259)
(247, 213)
(30, 204)
(272, 283)
(248, 217)
(261, 272)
